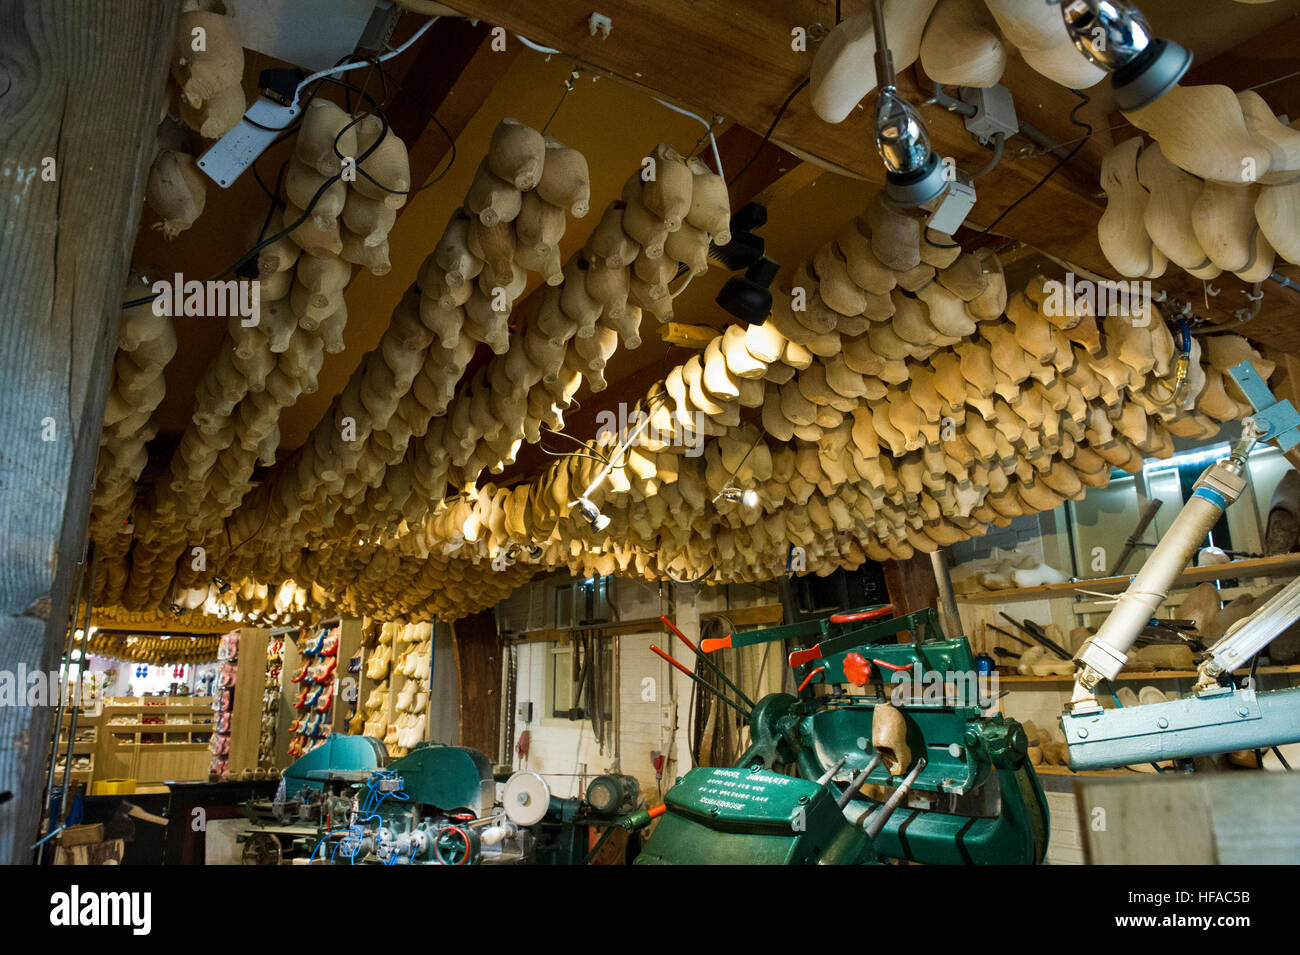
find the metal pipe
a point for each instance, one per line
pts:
(947, 597)
(884, 58)
(856, 782)
(881, 815)
(827, 776)
(1042, 139)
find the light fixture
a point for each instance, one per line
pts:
(1116, 37)
(590, 513)
(748, 297)
(747, 498)
(913, 173)
(583, 505)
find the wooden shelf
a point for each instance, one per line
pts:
(1143, 675)
(1048, 770)
(1282, 565)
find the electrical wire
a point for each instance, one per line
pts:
(335, 70)
(1084, 100)
(377, 110)
(770, 130)
(717, 156)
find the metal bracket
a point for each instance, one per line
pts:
(1276, 420)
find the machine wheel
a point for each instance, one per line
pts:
(262, 848)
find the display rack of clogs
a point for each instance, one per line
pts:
(271, 693)
(413, 646)
(316, 681)
(223, 703)
(376, 697)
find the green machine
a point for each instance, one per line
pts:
(944, 783)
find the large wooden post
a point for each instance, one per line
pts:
(478, 669)
(81, 86)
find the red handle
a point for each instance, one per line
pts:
(890, 666)
(800, 657)
(871, 613)
(679, 666)
(680, 636)
(658, 810)
(809, 677)
(709, 644)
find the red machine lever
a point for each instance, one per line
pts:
(891, 666)
(809, 677)
(654, 649)
(800, 657)
(657, 811)
(709, 644)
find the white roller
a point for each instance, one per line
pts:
(526, 798)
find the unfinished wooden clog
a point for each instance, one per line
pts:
(843, 70)
(517, 154)
(1121, 231)
(961, 45)
(1223, 220)
(1202, 129)
(565, 180)
(895, 235)
(1168, 213)
(889, 738)
(1282, 142)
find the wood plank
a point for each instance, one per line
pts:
(688, 336)
(911, 584)
(81, 83)
(478, 669)
(1277, 566)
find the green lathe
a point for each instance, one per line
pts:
(904, 766)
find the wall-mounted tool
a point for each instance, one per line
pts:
(1217, 716)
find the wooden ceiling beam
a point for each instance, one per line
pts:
(717, 57)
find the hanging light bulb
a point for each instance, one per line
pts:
(1115, 36)
(590, 513)
(913, 173)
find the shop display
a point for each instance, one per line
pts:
(316, 683)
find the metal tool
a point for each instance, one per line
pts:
(1217, 716)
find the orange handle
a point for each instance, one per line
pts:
(658, 810)
(679, 666)
(800, 657)
(709, 644)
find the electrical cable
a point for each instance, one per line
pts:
(335, 70)
(770, 130)
(330, 181)
(717, 157)
(1084, 100)
(536, 46)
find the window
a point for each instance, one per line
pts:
(561, 682)
(582, 603)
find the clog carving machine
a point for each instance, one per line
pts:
(895, 759)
